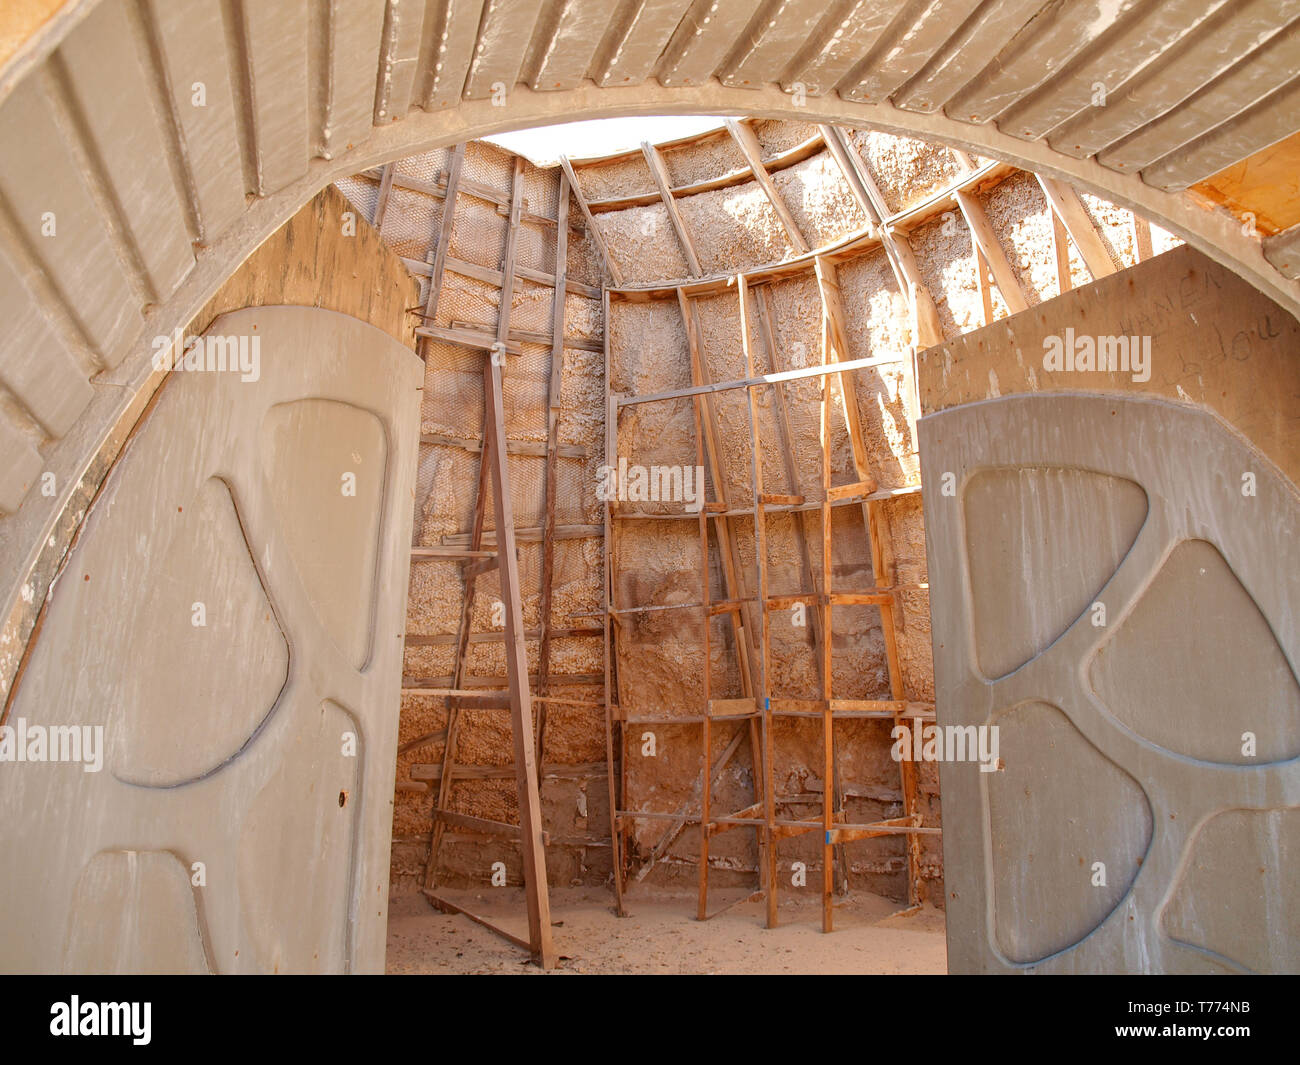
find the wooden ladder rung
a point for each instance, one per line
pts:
(482, 824)
(851, 491)
(720, 707)
(879, 597)
(785, 602)
(482, 565)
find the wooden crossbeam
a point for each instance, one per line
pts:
(778, 377)
(552, 447)
(983, 237)
(765, 794)
(521, 711)
(592, 228)
(654, 160)
(439, 264)
(1061, 253)
(528, 534)
(1067, 206)
(615, 763)
(746, 140)
(381, 201)
(513, 447)
(493, 277)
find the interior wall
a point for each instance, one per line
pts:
(734, 226)
(573, 791)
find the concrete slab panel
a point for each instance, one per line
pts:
(280, 817)
(1151, 721)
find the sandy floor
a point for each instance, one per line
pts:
(661, 936)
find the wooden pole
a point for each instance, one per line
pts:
(521, 710)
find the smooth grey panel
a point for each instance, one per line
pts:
(1033, 528)
(992, 866)
(1240, 865)
(287, 806)
(134, 912)
(326, 469)
(1056, 809)
(1196, 610)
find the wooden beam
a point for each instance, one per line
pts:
(448, 639)
(837, 351)
(433, 771)
(536, 449)
(592, 228)
(1061, 252)
(462, 648)
(521, 710)
(743, 134)
(479, 339)
(613, 763)
(762, 379)
(528, 534)
(381, 201)
(1067, 206)
(439, 264)
(986, 240)
(552, 446)
(508, 282)
(762, 690)
(493, 277)
(654, 160)
(1142, 248)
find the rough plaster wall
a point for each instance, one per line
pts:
(733, 228)
(775, 136)
(946, 259)
(574, 809)
(608, 181)
(821, 201)
(703, 160)
(657, 562)
(906, 170)
(643, 243)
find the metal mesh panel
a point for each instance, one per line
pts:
(411, 223)
(572, 564)
(425, 167)
(527, 490)
(453, 391)
(541, 189)
(531, 306)
(468, 300)
(575, 491)
(489, 164)
(479, 235)
(361, 192)
(535, 246)
(525, 382)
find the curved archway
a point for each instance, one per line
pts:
(96, 113)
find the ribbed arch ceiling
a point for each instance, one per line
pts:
(147, 146)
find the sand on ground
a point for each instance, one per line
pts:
(660, 935)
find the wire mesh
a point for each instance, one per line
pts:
(361, 192)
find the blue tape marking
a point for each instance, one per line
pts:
(828, 839)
